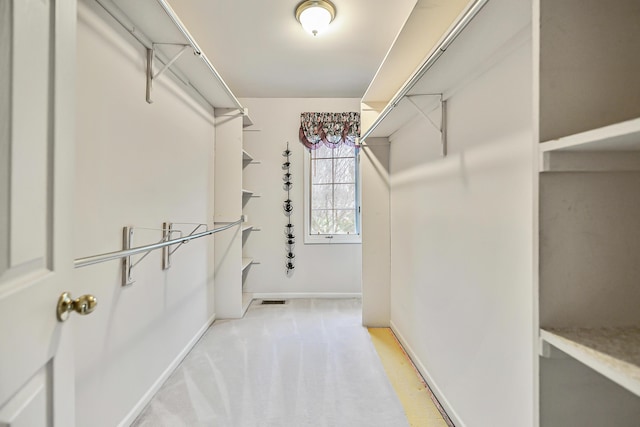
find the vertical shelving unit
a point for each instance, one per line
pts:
(228, 208)
(248, 227)
(589, 213)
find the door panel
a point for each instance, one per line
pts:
(37, 62)
(5, 160)
(30, 107)
(30, 406)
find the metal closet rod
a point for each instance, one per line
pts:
(95, 259)
(428, 63)
(123, 20)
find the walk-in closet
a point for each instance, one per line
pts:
(221, 213)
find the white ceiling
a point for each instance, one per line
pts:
(261, 51)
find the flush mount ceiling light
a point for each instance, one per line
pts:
(315, 15)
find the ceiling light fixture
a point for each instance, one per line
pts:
(315, 15)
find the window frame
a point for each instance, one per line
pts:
(330, 238)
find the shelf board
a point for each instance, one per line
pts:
(496, 31)
(246, 192)
(424, 26)
(624, 136)
(612, 352)
(246, 262)
(246, 120)
(247, 227)
(154, 24)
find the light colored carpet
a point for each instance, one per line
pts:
(307, 363)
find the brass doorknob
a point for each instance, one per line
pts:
(81, 305)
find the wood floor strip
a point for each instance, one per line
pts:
(411, 389)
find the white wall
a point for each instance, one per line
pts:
(461, 239)
(138, 165)
(320, 269)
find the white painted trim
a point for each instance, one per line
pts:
(287, 295)
(146, 398)
(428, 379)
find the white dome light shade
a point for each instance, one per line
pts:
(315, 16)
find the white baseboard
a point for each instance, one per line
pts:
(428, 379)
(291, 295)
(146, 398)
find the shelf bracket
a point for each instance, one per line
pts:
(442, 126)
(548, 351)
(127, 264)
(167, 230)
(127, 239)
(150, 75)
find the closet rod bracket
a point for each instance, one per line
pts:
(127, 263)
(440, 127)
(150, 75)
(127, 267)
(167, 230)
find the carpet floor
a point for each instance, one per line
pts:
(308, 362)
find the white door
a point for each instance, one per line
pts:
(37, 62)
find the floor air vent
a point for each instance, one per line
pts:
(273, 302)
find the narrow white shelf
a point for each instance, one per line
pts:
(491, 31)
(624, 136)
(246, 156)
(246, 192)
(612, 352)
(246, 262)
(155, 25)
(247, 227)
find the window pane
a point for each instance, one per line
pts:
(344, 196)
(345, 170)
(323, 152)
(345, 221)
(333, 191)
(321, 196)
(344, 151)
(321, 171)
(321, 222)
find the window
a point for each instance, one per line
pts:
(331, 190)
(332, 213)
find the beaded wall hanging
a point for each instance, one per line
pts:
(287, 206)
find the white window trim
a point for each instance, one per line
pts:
(325, 239)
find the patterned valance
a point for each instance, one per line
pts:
(330, 129)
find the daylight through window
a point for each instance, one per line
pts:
(334, 191)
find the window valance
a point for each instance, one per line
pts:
(329, 129)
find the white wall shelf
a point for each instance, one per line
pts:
(425, 25)
(588, 214)
(613, 352)
(623, 136)
(247, 159)
(459, 57)
(156, 26)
